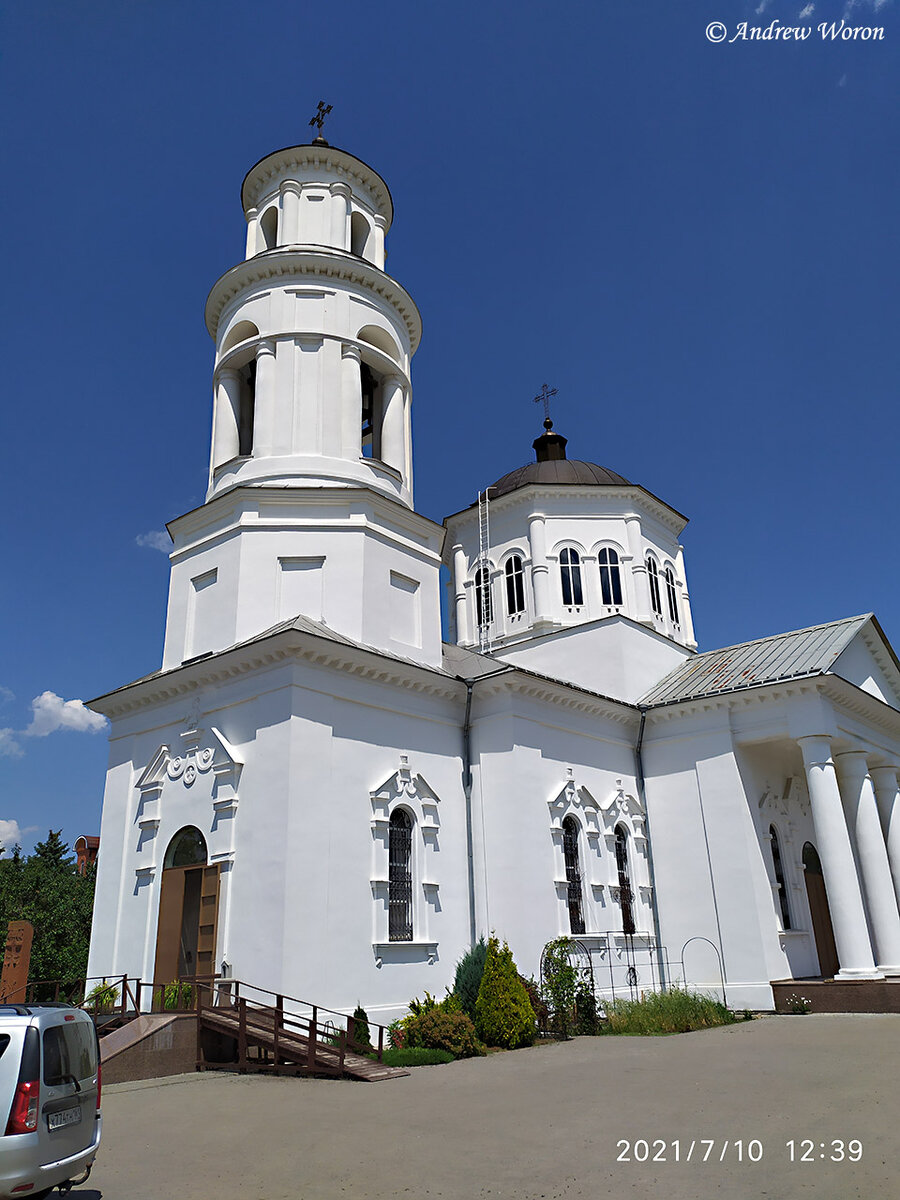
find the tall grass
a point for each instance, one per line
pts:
(674, 1011)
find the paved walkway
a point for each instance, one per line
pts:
(538, 1124)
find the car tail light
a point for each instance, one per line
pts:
(23, 1116)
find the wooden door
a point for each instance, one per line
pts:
(209, 919)
(168, 931)
(821, 923)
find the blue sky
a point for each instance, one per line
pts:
(696, 243)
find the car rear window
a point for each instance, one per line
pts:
(69, 1051)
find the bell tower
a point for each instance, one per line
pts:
(309, 506)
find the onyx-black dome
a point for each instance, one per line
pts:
(561, 472)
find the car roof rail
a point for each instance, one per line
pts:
(14, 1010)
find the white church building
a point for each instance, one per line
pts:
(319, 794)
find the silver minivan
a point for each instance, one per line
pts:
(49, 1098)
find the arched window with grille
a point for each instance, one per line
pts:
(610, 577)
(671, 596)
(653, 576)
(484, 608)
(779, 879)
(400, 922)
(573, 875)
(570, 577)
(625, 894)
(515, 586)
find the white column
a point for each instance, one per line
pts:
(264, 400)
(640, 583)
(393, 423)
(687, 621)
(540, 571)
(289, 232)
(459, 593)
(378, 232)
(851, 932)
(861, 808)
(226, 441)
(252, 226)
(351, 402)
(887, 793)
(340, 215)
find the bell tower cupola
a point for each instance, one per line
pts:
(313, 338)
(309, 507)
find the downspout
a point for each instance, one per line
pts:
(642, 797)
(467, 789)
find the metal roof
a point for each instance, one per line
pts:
(792, 655)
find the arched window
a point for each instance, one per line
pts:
(186, 849)
(400, 927)
(779, 879)
(573, 875)
(671, 597)
(653, 576)
(610, 579)
(269, 227)
(359, 234)
(515, 586)
(570, 577)
(484, 608)
(625, 894)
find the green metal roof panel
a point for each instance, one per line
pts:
(785, 656)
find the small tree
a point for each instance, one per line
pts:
(361, 1027)
(469, 970)
(503, 1012)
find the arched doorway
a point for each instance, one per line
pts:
(818, 911)
(188, 910)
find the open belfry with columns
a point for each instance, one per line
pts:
(320, 793)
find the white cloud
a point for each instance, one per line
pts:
(763, 5)
(156, 539)
(9, 747)
(11, 833)
(51, 712)
(842, 82)
(6, 695)
(806, 12)
(875, 5)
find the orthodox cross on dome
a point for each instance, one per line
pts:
(544, 398)
(319, 119)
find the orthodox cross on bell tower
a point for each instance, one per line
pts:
(318, 120)
(544, 398)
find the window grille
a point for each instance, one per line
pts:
(671, 596)
(779, 879)
(570, 577)
(515, 586)
(625, 894)
(573, 875)
(610, 578)
(653, 576)
(400, 877)
(483, 603)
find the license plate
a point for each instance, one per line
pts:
(66, 1116)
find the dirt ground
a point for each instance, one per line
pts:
(555, 1121)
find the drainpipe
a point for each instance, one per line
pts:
(467, 789)
(642, 796)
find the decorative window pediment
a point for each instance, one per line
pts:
(410, 789)
(574, 799)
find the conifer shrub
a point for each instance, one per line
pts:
(587, 1019)
(467, 981)
(503, 1012)
(361, 1028)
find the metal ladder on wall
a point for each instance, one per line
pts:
(485, 614)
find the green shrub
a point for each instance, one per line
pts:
(467, 981)
(503, 1012)
(443, 1029)
(102, 998)
(415, 1056)
(674, 1011)
(361, 1030)
(560, 980)
(396, 1034)
(587, 1020)
(177, 996)
(541, 1011)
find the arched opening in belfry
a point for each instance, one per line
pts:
(240, 332)
(268, 226)
(372, 410)
(246, 407)
(381, 340)
(359, 234)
